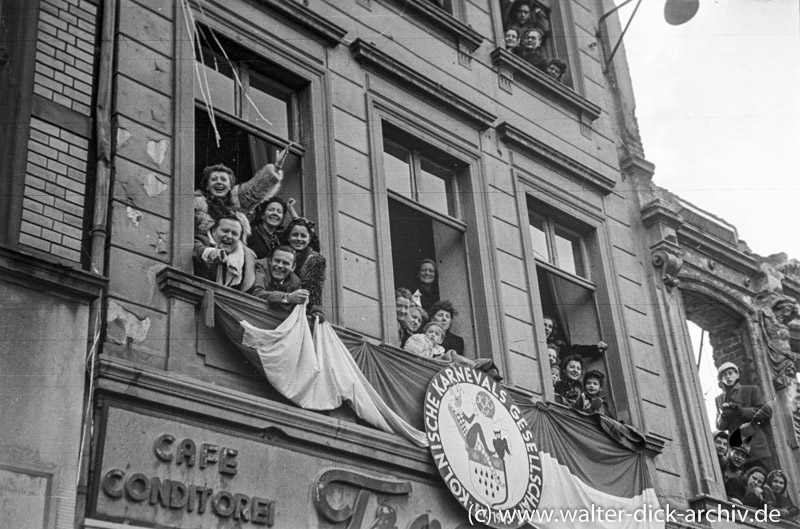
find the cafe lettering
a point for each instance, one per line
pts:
(162, 493)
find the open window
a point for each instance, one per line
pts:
(548, 16)
(256, 107)
(425, 218)
(561, 248)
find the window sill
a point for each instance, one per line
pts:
(369, 55)
(519, 70)
(445, 22)
(50, 276)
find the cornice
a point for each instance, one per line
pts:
(538, 149)
(541, 82)
(637, 166)
(443, 21)
(381, 62)
(658, 211)
(692, 239)
(308, 19)
(51, 277)
(125, 381)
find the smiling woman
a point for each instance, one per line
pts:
(310, 266)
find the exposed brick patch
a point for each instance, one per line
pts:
(727, 332)
(64, 53)
(55, 191)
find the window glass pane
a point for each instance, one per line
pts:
(568, 252)
(397, 168)
(272, 102)
(217, 81)
(539, 237)
(434, 186)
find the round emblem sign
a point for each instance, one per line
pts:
(482, 446)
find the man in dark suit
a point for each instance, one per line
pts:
(744, 408)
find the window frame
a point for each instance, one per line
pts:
(318, 190)
(575, 213)
(466, 152)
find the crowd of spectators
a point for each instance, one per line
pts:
(749, 472)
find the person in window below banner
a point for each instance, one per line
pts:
(427, 291)
(570, 388)
(402, 301)
(310, 266)
(443, 313)
(428, 343)
(592, 401)
(276, 283)
(268, 221)
(220, 196)
(587, 352)
(744, 407)
(221, 257)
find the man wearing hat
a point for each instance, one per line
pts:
(732, 474)
(743, 407)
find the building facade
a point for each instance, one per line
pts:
(414, 133)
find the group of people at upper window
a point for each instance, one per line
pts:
(241, 240)
(575, 386)
(526, 29)
(749, 469)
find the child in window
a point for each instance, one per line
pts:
(593, 401)
(552, 354)
(555, 372)
(570, 388)
(427, 344)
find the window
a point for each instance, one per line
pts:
(567, 294)
(425, 219)
(547, 16)
(256, 106)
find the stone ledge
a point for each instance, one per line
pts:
(443, 21)
(543, 83)
(550, 156)
(369, 55)
(120, 380)
(308, 19)
(50, 276)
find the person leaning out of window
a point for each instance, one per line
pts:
(221, 256)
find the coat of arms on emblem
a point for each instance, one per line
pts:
(481, 443)
(487, 469)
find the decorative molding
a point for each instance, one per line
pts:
(670, 261)
(123, 380)
(658, 211)
(538, 149)
(51, 277)
(634, 165)
(437, 17)
(698, 241)
(543, 83)
(308, 19)
(370, 56)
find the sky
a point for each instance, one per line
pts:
(718, 105)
